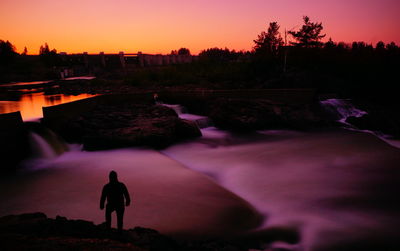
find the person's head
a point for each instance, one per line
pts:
(113, 176)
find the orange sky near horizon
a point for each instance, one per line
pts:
(156, 26)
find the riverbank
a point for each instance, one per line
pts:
(35, 231)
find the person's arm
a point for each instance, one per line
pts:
(103, 198)
(127, 197)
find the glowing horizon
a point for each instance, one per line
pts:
(157, 26)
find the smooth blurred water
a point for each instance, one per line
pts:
(336, 188)
(333, 187)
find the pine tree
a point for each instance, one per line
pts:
(309, 35)
(269, 41)
(25, 51)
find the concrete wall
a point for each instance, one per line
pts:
(14, 145)
(9, 121)
(157, 60)
(55, 116)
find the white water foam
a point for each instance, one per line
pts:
(343, 109)
(201, 121)
(40, 147)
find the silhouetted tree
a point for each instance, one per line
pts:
(361, 47)
(49, 57)
(342, 46)
(183, 51)
(269, 41)
(25, 51)
(174, 52)
(380, 46)
(7, 52)
(330, 44)
(356, 45)
(44, 49)
(309, 35)
(218, 55)
(392, 47)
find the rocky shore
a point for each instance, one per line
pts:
(35, 231)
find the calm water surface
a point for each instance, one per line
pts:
(30, 105)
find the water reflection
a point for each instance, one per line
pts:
(30, 105)
(53, 99)
(27, 83)
(9, 106)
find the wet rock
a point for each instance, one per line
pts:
(248, 115)
(37, 232)
(384, 121)
(126, 125)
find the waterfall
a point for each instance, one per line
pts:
(342, 109)
(44, 143)
(201, 121)
(40, 147)
(179, 109)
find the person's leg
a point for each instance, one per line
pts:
(108, 216)
(120, 217)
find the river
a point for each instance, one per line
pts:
(336, 189)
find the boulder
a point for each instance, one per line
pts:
(126, 125)
(258, 114)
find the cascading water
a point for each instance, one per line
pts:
(319, 183)
(40, 147)
(44, 143)
(342, 109)
(201, 121)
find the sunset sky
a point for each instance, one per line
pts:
(159, 26)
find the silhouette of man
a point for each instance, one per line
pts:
(115, 192)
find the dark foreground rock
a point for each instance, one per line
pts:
(258, 114)
(126, 125)
(35, 231)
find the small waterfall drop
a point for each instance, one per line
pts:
(342, 109)
(201, 121)
(44, 143)
(40, 147)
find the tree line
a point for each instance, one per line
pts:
(269, 43)
(296, 58)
